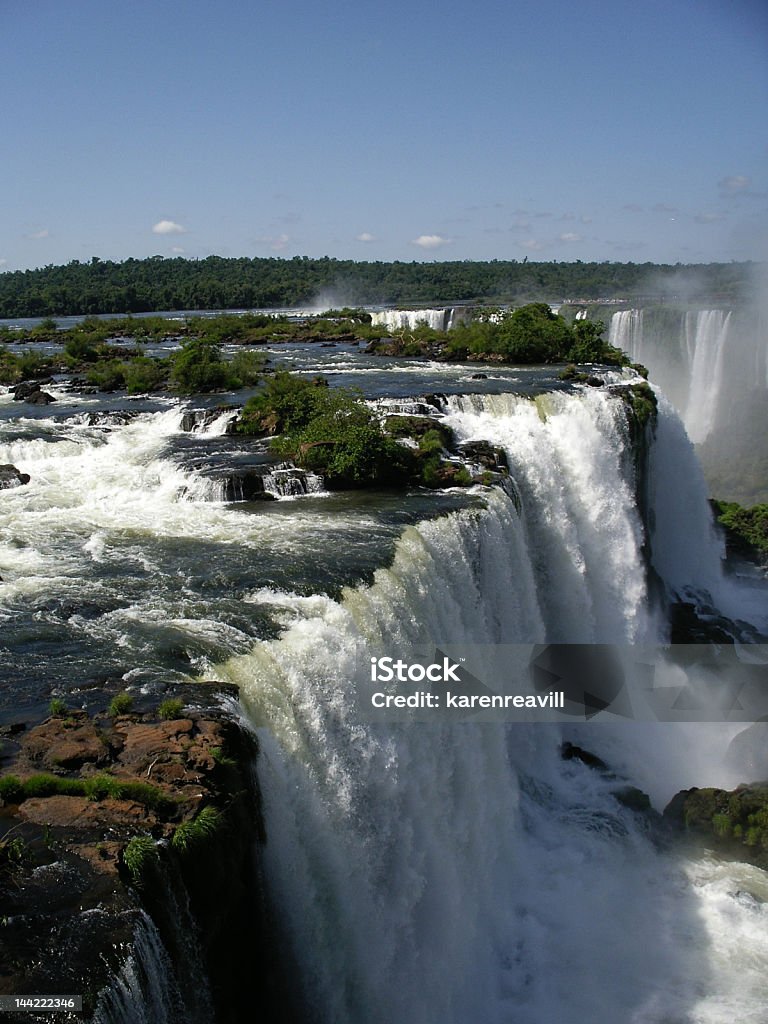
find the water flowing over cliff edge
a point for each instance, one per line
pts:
(423, 870)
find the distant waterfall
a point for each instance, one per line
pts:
(706, 335)
(395, 319)
(689, 365)
(626, 333)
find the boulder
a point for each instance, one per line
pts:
(12, 477)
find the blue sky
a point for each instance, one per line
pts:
(390, 130)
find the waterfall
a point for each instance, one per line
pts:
(584, 532)
(429, 871)
(144, 990)
(706, 334)
(712, 364)
(625, 332)
(395, 319)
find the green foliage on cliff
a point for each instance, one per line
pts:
(196, 831)
(748, 525)
(740, 815)
(138, 854)
(96, 787)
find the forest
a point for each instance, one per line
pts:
(156, 283)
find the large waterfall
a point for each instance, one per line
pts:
(428, 871)
(713, 365)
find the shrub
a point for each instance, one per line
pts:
(11, 789)
(171, 708)
(143, 373)
(198, 830)
(120, 704)
(57, 708)
(199, 367)
(137, 855)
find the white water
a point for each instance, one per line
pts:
(691, 365)
(625, 332)
(428, 872)
(706, 334)
(394, 319)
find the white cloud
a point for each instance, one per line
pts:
(570, 236)
(734, 184)
(39, 234)
(365, 237)
(3, 263)
(177, 249)
(168, 227)
(532, 244)
(275, 242)
(430, 241)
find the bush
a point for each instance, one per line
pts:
(199, 367)
(137, 855)
(198, 830)
(108, 375)
(143, 373)
(11, 789)
(120, 704)
(285, 403)
(57, 708)
(170, 708)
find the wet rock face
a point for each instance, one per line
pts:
(106, 818)
(12, 477)
(735, 820)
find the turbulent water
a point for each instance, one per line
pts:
(422, 871)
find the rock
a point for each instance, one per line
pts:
(570, 752)
(65, 743)
(485, 454)
(634, 799)
(736, 820)
(11, 477)
(78, 903)
(22, 391)
(479, 376)
(39, 398)
(595, 382)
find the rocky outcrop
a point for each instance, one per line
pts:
(113, 825)
(12, 477)
(735, 821)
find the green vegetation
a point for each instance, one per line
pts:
(97, 787)
(197, 830)
(741, 815)
(170, 708)
(57, 708)
(528, 335)
(135, 286)
(120, 704)
(747, 526)
(642, 401)
(13, 852)
(327, 430)
(139, 853)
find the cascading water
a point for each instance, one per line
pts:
(706, 335)
(394, 319)
(712, 364)
(625, 332)
(460, 872)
